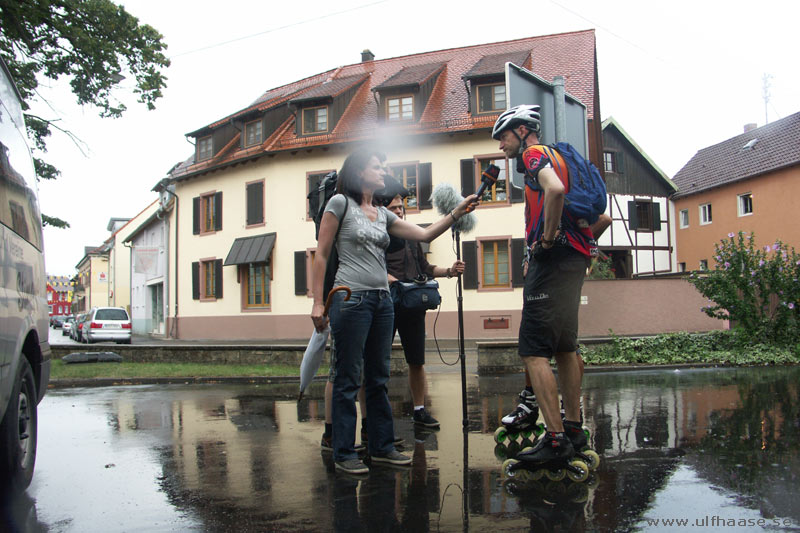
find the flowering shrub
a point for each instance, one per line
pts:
(755, 287)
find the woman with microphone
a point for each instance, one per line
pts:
(362, 326)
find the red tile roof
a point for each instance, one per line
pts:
(496, 64)
(571, 55)
(407, 76)
(748, 155)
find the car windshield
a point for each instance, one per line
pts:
(111, 314)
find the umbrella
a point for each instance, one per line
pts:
(316, 346)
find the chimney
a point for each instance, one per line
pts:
(366, 55)
(750, 127)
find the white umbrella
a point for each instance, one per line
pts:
(316, 346)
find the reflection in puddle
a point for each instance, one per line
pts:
(674, 445)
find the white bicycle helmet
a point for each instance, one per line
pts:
(527, 115)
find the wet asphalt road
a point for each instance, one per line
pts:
(714, 447)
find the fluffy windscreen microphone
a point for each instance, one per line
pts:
(488, 178)
(445, 199)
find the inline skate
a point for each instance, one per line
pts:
(564, 418)
(577, 436)
(552, 456)
(521, 421)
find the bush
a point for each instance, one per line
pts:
(755, 288)
(723, 347)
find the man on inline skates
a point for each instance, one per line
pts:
(559, 254)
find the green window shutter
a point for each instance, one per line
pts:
(255, 203)
(517, 195)
(517, 256)
(633, 219)
(195, 280)
(467, 177)
(218, 278)
(300, 282)
(218, 211)
(469, 254)
(196, 215)
(620, 162)
(656, 216)
(424, 185)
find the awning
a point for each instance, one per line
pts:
(247, 250)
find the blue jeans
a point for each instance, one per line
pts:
(362, 331)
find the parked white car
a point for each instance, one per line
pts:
(107, 324)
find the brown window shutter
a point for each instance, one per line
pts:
(517, 256)
(469, 253)
(467, 177)
(218, 211)
(195, 280)
(196, 215)
(300, 281)
(424, 186)
(218, 278)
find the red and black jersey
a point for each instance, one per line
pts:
(535, 158)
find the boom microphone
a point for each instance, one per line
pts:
(488, 178)
(445, 199)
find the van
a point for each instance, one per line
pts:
(24, 325)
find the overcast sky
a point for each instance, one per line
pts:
(678, 76)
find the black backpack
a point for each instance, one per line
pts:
(318, 200)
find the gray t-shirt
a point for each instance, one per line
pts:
(361, 245)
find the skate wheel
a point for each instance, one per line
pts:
(555, 475)
(512, 435)
(527, 434)
(523, 475)
(580, 473)
(536, 475)
(500, 435)
(501, 452)
(592, 459)
(539, 429)
(586, 432)
(506, 465)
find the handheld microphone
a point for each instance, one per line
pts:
(488, 178)
(445, 199)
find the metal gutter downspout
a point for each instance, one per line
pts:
(560, 109)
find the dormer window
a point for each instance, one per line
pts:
(400, 109)
(491, 98)
(315, 120)
(252, 133)
(204, 148)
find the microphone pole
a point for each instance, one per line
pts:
(461, 355)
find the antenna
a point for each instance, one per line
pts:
(765, 86)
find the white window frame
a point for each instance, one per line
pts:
(257, 137)
(706, 215)
(740, 204)
(683, 213)
(402, 115)
(496, 106)
(205, 148)
(315, 127)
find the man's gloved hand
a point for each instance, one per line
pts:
(542, 254)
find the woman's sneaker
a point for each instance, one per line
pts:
(424, 418)
(393, 457)
(352, 466)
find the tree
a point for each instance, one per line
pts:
(94, 42)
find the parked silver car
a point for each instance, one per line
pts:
(107, 324)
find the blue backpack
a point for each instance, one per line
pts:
(587, 197)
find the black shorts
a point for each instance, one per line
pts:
(552, 296)
(411, 326)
